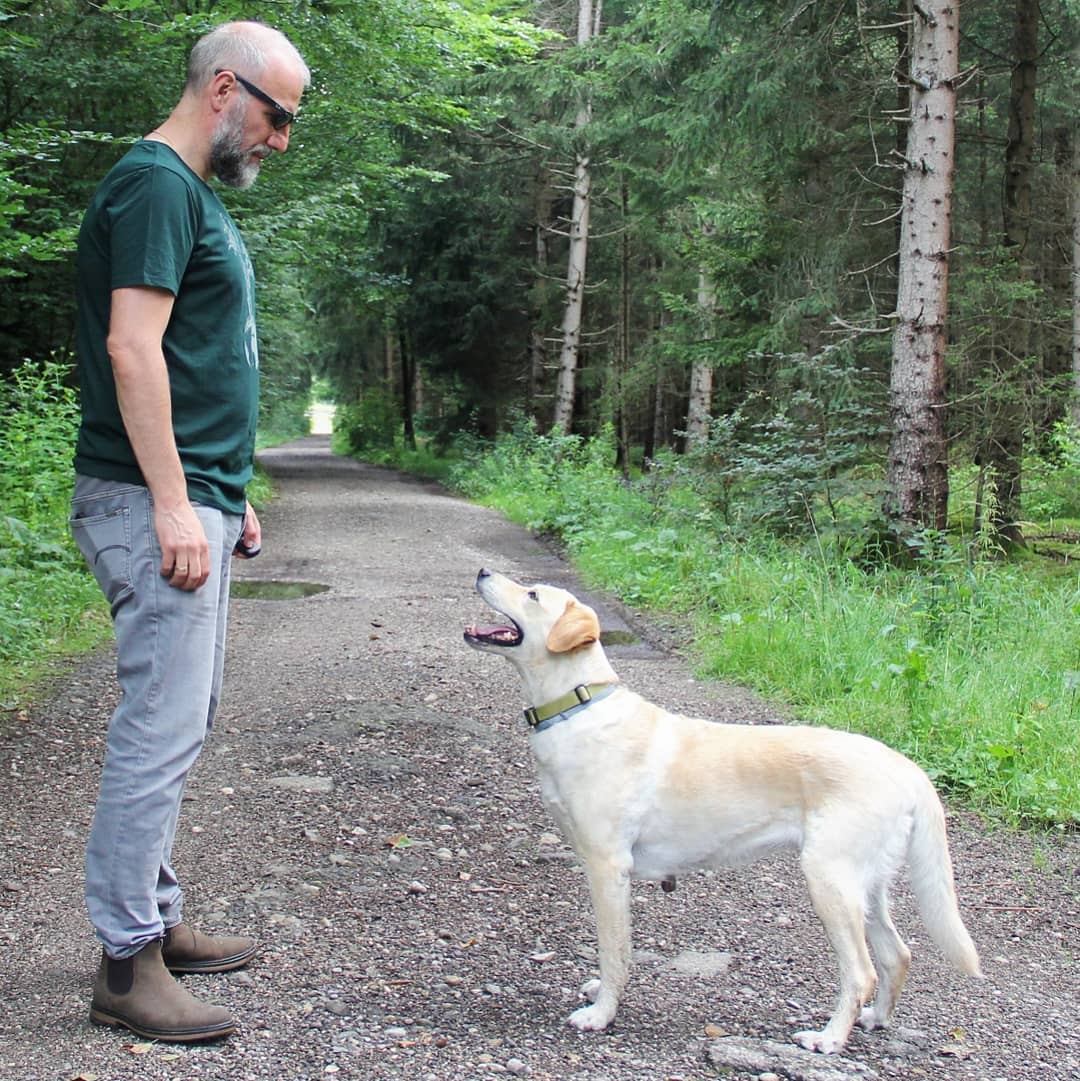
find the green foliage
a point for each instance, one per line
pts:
(805, 456)
(970, 666)
(45, 590)
(26, 235)
(551, 483)
(39, 416)
(370, 427)
(283, 416)
(1053, 491)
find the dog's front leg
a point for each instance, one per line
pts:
(609, 884)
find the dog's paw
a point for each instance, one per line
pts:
(591, 1018)
(590, 989)
(870, 1019)
(822, 1041)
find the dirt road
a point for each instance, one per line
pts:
(366, 806)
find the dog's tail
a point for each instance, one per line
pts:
(931, 873)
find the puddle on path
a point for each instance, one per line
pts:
(273, 589)
(618, 638)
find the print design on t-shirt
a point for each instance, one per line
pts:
(236, 246)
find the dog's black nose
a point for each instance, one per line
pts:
(483, 573)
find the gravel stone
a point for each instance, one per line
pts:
(422, 773)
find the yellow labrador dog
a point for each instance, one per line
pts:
(643, 793)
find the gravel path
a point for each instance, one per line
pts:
(366, 806)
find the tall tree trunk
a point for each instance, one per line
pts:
(902, 34)
(648, 446)
(699, 408)
(918, 478)
(565, 389)
(622, 345)
(1003, 450)
(1075, 191)
(408, 388)
(538, 353)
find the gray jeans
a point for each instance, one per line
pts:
(170, 652)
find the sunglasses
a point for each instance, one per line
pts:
(280, 117)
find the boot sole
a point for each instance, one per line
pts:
(219, 964)
(210, 1032)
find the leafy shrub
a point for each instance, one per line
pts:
(1053, 488)
(367, 427)
(45, 588)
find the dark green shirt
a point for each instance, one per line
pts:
(153, 222)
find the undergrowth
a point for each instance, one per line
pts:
(966, 663)
(50, 604)
(48, 600)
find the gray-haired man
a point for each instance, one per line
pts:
(168, 364)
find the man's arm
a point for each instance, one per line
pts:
(137, 323)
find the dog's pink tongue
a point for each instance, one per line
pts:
(487, 630)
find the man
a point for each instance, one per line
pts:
(168, 365)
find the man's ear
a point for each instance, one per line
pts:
(576, 627)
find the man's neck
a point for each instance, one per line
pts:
(183, 138)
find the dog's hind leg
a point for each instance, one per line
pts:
(609, 884)
(838, 900)
(892, 957)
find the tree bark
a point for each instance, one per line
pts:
(918, 480)
(1003, 450)
(1075, 191)
(699, 408)
(408, 388)
(622, 345)
(565, 389)
(538, 353)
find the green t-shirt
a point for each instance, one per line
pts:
(153, 222)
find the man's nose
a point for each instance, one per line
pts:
(279, 139)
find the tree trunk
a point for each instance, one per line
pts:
(1075, 191)
(408, 387)
(565, 389)
(1003, 450)
(538, 353)
(918, 479)
(622, 345)
(699, 409)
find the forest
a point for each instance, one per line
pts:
(793, 277)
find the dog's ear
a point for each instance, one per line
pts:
(576, 627)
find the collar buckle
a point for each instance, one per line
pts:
(541, 717)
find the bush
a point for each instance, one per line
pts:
(1053, 482)
(368, 427)
(45, 589)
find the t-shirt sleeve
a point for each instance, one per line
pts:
(153, 226)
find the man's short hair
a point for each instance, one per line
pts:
(247, 46)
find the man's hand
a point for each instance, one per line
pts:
(251, 538)
(185, 551)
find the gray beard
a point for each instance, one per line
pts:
(230, 160)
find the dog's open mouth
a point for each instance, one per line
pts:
(497, 635)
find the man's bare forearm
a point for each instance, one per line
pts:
(142, 390)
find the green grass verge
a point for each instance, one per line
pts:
(50, 605)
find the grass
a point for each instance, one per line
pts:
(50, 605)
(970, 665)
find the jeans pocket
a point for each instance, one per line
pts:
(105, 542)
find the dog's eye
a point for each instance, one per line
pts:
(533, 595)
